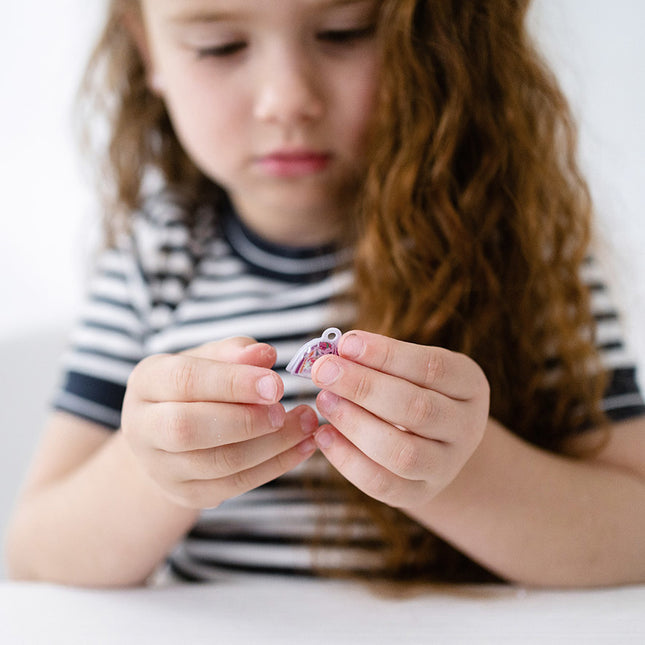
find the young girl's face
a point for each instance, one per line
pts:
(271, 99)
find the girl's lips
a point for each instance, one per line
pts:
(294, 164)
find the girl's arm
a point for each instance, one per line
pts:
(102, 509)
(547, 520)
(410, 427)
(88, 514)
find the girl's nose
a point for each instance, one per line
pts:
(289, 91)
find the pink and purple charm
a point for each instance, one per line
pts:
(310, 352)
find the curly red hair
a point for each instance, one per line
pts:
(473, 224)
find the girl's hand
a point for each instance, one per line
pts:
(404, 418)
(207, 424)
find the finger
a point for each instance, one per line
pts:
(395, 400)
(224, 461)
(404, 454)
(182, 427)
(180, 377)
(211, 493)
(450, 373)
(364, 473)
(239, 349)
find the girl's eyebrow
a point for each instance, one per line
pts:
(197, 16)
(190, 16)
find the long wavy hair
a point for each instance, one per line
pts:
(473, 224)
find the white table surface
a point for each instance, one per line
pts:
(311, 612)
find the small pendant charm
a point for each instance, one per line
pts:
(310, 352)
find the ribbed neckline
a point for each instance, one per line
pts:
(281, 261)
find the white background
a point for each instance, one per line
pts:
(596, 47)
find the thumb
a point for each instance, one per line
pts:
(238, 349)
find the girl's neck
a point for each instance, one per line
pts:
(291, 229)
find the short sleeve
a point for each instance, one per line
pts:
(106, 342)
(132, 295)
(623, 398)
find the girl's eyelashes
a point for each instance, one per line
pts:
(346, 36)
(330, 36)
(221, 51)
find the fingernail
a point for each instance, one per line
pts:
(327, 402)
(328, 371)
(324, 437)
(277, 415)
(352, 346)
(267, 388)
(307, 446)
(262, 348)
(308, 422)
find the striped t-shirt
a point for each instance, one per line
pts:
(161, 291)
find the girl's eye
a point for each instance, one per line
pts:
(346, 36)
(221, 51)
(332, 36)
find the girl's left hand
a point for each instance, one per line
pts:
(403, 418)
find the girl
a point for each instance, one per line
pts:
(403, 167)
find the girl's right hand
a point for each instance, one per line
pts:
(207, 424)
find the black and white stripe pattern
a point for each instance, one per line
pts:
(159, 292)
(623, 398)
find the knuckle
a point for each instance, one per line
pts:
(382, 487)
(362, 388)
(180, 429)
(230, 385)
(388, 357)
(422, 409)
(406, 459)
(288, 460)
(243, 481)
(284, 462)
(184, 375)
(435, 366)
(247, 422)
(230, 459)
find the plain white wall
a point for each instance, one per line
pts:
(42, 47)
(596, 46)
